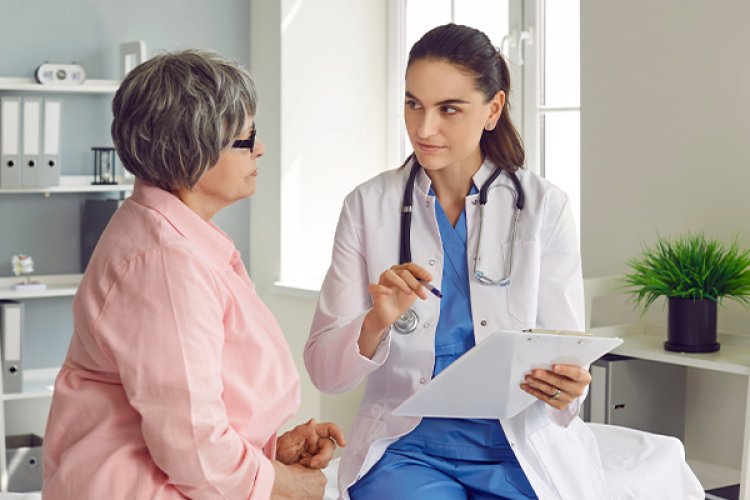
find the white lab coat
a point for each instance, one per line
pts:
(556, 450)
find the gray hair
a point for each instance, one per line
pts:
(174, 114)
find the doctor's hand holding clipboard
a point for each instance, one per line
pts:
(557, 387)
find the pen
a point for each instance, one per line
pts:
(437, 293)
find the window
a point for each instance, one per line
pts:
(556, 115)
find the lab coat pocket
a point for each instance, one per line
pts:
(523, 291)
(365, 429)
(574, 469)
(359, 456)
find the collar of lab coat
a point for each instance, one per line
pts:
(204, 236)
(422, 182)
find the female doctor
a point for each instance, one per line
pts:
(500, 243)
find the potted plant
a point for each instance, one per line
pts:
(695, 274)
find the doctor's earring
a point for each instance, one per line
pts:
(489, 127)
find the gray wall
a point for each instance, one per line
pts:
(664, 128)
(665, 148)
(90, 32)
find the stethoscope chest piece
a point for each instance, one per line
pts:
(407, 322)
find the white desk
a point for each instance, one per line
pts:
(646, 341)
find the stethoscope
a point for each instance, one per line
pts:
(407, 322)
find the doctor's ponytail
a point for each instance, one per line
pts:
(472, 50)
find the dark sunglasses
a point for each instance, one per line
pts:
(248, 143)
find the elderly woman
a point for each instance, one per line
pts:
(178, 377)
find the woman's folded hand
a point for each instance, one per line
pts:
(311, 444)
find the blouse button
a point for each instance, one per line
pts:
(483, 322)
(432, 262)
(422, 380)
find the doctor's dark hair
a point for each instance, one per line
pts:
(175, 113)
(471, 50)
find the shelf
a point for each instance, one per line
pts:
(648, 343)
(60, 285)
(38, 383)
(31, 85)
(75, 184)
(714, 476)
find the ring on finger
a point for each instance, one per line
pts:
(556, 394)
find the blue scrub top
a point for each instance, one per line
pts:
(463, 439)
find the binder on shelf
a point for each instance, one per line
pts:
(96, 216)
(49, 170)
(30, 152)
(10, 141)
(11, 337)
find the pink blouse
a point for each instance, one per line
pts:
(177, 376)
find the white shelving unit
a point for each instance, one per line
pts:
(31, 85)
(646, 341)
(75, 184)
(38, 383)
(60, 285)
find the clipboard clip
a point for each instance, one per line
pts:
(555, 332)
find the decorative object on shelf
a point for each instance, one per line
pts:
(131, 55)
(104, 165)
(24, 265)
(60, 74)
(695, 274)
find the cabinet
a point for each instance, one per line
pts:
(713, 393)
(42, 227)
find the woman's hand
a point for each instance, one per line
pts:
(310, 444)
(559, 387)
(297, 482)
(393, 294)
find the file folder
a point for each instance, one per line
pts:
(30, 152)
(49, 170)
(10, 142)
(11, 337)
(500, 362)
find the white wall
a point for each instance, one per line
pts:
(333, 104)
(321, 75)
(664, 126)
(665, 144)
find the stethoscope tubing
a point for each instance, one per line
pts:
(408, 321)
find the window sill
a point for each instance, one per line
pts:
(296, 290)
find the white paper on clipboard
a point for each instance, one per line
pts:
(485, 381)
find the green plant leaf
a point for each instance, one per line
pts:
(690, 267)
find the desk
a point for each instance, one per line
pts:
(646, 341)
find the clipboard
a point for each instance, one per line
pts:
(485, 381)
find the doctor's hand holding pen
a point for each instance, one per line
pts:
(557, 387)
(393, 295)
